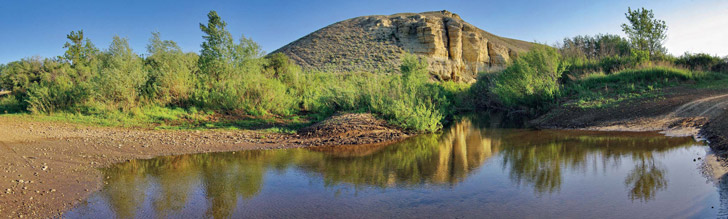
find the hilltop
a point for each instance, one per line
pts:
(454, 49)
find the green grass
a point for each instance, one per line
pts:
(155, 117)
(599, 90)
(713, 80)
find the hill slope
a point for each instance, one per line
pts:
(455, 49)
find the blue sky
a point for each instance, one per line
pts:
(38, 28)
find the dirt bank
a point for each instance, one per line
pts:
(48, 167)
(679, 112)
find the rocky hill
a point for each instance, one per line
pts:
(454, 49)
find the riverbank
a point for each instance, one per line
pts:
(48, 167)
(678, 111)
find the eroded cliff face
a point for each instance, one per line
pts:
(454, 49)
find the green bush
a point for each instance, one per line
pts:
(721, 67)
(409, 100)
(171, 72)
(122, 77)
(639, 57)
(698, 61)
(532, 80)
(11, 104)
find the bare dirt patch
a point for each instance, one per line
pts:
(46, 167)
(350, 129)
(679, 112)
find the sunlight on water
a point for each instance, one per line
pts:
(471, 169)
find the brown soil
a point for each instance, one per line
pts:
(679, 112)
(48, 167)
(349, 129)
(716, 131)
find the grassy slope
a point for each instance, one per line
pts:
(604, 91)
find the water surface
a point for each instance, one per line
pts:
(471, 170)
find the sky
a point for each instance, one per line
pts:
(39, 27)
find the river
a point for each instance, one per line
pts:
(475, 168)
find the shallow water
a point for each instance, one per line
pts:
(471, 170)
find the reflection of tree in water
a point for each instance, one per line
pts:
(126, 191)
(539, 158)
(533, 158)
(175, 180)
(645, 180)
(446, 158)
(225, 177)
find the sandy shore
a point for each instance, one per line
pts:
(49, 167)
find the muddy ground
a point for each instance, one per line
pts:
(678, 112)
(46, 168)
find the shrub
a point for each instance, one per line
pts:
(639, 57)
(171, 72)
(698, 61)
(121, 78)
(532, 80)
(57, 94)
(722, 66)
(11, 104)
(410, 101)
(594, 47)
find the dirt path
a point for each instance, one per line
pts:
(681, 112)
(46, 168)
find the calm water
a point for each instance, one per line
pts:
(470, 170)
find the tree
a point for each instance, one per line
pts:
(645, 32)
(122, 74)
(81, 54)
(171, 71)
(80, 50)
(595, 47)
(218, 50)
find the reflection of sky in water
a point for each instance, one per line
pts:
(466, 171)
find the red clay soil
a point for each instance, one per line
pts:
(46, 168)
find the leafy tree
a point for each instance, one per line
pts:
(595, 47)
(218, 50)
(281, 67)
(122, 75)
(645, 32)
(82, 54)
(171, 71)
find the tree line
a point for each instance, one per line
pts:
(226, 77)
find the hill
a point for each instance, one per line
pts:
(454, 49)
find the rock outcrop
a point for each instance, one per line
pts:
(454, 49)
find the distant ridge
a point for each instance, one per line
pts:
(454, 49)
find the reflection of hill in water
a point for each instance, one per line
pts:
(533, 158)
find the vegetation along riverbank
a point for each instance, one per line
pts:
(88, 108)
